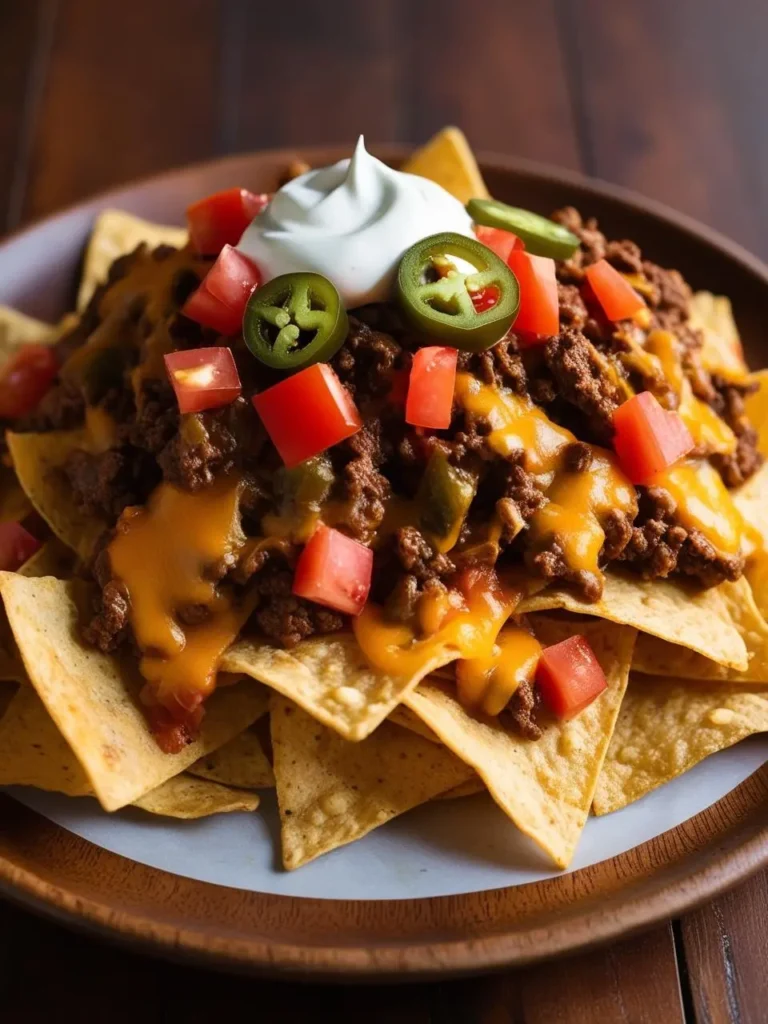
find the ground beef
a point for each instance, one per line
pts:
(593, 244)
(284, 619)
(63, 408)
(552, 565)
(500, 366)
(365, 489)
(520, 713)
(109, 628)
(728, 401)
(367, 360)
(418, 558)
(581, 378)
(105, 483)
(660, 546)
(520, 487)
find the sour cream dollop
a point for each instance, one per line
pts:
(351, 222)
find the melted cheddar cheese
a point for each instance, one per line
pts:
(703, 503)
(488, 683)
(162, 553)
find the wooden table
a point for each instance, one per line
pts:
(666, 96)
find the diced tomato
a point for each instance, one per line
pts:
(220, 300)
(307, 413)
(25, 378)
(203, 378)
(232, 278)
(538, 317)
(430, 387)
(221, 219)
(485, 298)
(647, 438)
(569, 676)
(16, 546)
(502, 242)
(614, 293)
(335, 571)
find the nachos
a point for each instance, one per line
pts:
(414, 475)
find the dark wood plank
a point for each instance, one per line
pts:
(469, 66)
(326, 73)
(132, 89)
(725, 951)
(660, 112)
(22, 58)
(635, 980)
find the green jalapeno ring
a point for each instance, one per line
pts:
(281, 313)
(443, 308)
(540, 235)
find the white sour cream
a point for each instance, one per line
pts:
(351, 222)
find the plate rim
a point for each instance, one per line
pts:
(723, 858)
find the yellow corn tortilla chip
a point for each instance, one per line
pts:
(657, 657)
(38, 460)
(697, 619)
(188, 798)
(469, 788)
(115, 234)
(545, 786)
(721, 352)
(34, 753)
(668, 725)
(241, 763)
(18, 329)
(751, 499)
(448, 160)
(332, 792)
(93, 697)
(330, 678)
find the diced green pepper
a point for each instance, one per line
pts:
(444, 498)
(305, 487)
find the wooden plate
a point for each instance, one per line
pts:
(47, 869)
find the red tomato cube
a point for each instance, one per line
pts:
(221, 219)
(614, 293)
(569, 676)
(220, 300)
(335, 571)
(538, 317)
(16, 546)
(647, 438)
(430, 387)
(203, 378)
(502, 242)
(307, 413)
(25, 378)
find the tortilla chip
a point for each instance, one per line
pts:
(407, 719)
(241, 763)
(38, 460)
(117, 233)
(34, 753)
(722, 351)
(17, 329)
(469, 788)
(448, 160)
(330, 678)
(93, 697)
(697, 619)
(659, 658)
(545, 786)
(668, 725)
(332, 792)
(187, 798)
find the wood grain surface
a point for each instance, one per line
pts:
(666, 96)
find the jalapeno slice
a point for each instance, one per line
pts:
(295, 320)
(541, 236)
(436, 296)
